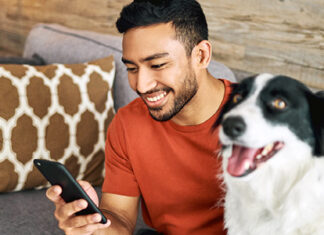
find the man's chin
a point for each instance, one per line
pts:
(160, 115)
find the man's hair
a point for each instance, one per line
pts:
(186, 16)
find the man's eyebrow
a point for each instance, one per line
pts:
(151, 57)
(156, 56)
(125, 61)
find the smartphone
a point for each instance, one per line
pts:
(57, 174)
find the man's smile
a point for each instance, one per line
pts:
(156, 99)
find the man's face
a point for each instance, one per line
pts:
(158, 69)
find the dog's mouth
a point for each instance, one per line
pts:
(245, 160)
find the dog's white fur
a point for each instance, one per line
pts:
(285, 196)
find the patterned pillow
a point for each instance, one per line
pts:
(58, 112)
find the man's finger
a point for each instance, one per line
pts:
(69, 209)
(53, 194)
(83, 220)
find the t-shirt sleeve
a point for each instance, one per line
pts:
(119, 175)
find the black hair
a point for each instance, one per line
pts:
(186, 16)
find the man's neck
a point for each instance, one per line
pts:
(204, 104)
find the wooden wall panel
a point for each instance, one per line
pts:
(282, 37)
(278, 36)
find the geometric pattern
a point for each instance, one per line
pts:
(57, 112)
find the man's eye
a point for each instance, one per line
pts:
(131, 69)
(157, 66)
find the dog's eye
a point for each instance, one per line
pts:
(237, 98)
(279, 104)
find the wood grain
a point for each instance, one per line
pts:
(281, 37)
(278, 36)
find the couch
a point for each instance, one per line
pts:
(26, 210)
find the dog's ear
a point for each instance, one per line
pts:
(316, 103)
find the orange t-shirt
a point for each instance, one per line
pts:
(173, 168)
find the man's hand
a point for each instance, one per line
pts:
(65, 212)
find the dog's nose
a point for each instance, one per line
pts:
(234, 126)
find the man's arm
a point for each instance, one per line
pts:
(121, 211)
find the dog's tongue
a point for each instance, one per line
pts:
(241, 161)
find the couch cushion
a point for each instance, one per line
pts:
(27, 212)
(59, 44)
(58, 112)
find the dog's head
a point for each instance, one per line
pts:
(270, 120)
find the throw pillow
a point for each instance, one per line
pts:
(57, 112)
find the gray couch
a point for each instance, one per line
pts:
(29, 212)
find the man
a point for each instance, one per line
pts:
(159, 147)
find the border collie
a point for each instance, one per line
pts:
(272, 132)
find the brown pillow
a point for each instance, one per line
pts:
(57, 112)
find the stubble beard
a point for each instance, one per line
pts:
(188, 90)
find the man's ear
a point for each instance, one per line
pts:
(202, 54)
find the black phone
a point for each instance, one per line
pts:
(57, 174)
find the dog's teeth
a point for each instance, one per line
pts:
(259, 156)
(267, 149)
(264, 151)
(247, 166)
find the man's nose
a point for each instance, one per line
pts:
(145, 81)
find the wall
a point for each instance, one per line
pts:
(277, 36)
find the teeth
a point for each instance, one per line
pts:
(259, 156)
(156, 98)
(247, 166)
(267, 149)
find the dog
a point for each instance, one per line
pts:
(272, 131)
